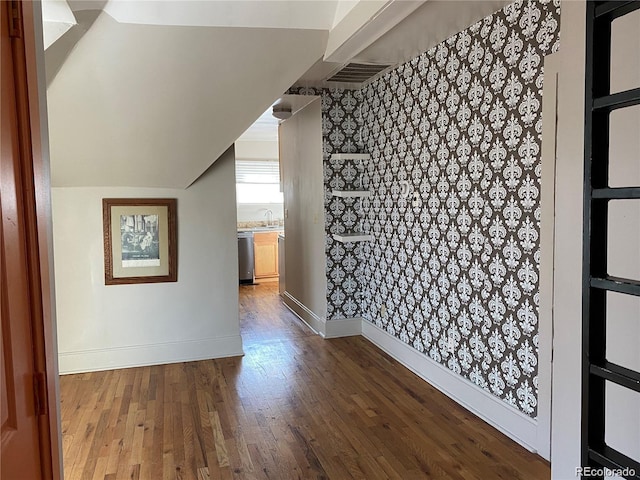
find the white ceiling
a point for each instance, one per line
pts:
(428, 24)
(307, 14)
(431, 23)
(155, 106)
(151, 93)
(57, 19)
(265, 128)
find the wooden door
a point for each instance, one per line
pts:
(25, 432)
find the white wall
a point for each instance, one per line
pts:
(256, 212)
(301, 157)
(104, 327)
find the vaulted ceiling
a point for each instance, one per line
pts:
(151, 93)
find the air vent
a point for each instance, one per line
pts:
(357, 72)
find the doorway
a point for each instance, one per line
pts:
(29, 402)
(260, 203)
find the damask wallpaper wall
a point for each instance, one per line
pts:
(453, 266)
(341, 128)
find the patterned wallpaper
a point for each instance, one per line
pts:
(341, 128)
(455, 263)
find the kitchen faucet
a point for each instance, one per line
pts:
(269, 215)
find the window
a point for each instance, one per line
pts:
(258, 181)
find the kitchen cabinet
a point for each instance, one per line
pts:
(265, 251)
(281, 274)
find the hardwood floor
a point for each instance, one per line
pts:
(294, 407)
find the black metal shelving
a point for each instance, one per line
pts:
(596, 369)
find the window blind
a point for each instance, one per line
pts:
(257, 171)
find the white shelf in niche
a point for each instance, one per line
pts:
(352, 237)
(351, 193)
(350, 156)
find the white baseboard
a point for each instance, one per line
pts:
(491, 409)
(143, 355)
(502, 416)
(343, 327)
(300, 310)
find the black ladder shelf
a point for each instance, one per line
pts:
(596, 369)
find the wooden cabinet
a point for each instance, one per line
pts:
(265, 250)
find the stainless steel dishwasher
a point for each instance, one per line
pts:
(245, 257)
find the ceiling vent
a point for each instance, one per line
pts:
(357, 72)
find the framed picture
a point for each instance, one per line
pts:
(139, 240)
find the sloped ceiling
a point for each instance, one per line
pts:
(155, 106)
(428, 25)
(151, 93)
(57, 19)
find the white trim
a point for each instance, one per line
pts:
(547, 238)
(488, 407)
(502, 416)
(313, 321)
(566, 408)
(343, 327)
(144, 355)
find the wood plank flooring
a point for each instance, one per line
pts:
(294, 407)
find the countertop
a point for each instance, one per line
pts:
(277, 228)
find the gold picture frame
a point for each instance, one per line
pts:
(140, 236)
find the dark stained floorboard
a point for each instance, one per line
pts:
(295, 406)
